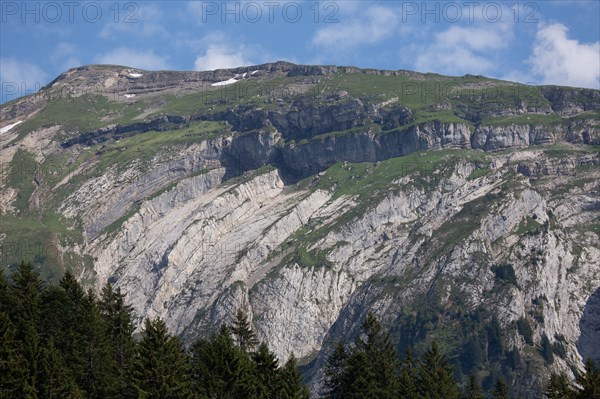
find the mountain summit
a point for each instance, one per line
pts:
(458, 209)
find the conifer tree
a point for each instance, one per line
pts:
(500, 390)
(242, 332)
(334, 371)
(24, 297)
(162, 369)
(559, 388)
(473, 390)
(267, 368)
(436, 378)
(408, 377)
(118, 323)
(289, 382)
(55, 379)
(220, 369)
(589, 381)
(14, 382)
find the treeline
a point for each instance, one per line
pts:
(370, 368)
(60, 341)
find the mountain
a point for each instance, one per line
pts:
(458, 209)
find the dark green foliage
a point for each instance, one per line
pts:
(121, 349)
(242, 332)
(559, 388)
(63, 342)
(525, 330)
(436, 377)
(473, 390)
(367, 370)
(500, 390)
(589, 382)
(505, 272)
(289, 382)
(162, 368)
(407, 384)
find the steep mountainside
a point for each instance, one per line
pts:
(460, 209)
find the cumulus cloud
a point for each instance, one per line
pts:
(220, 56)
(556, 59)
(459, 50)
(143, 59)
(374, 24)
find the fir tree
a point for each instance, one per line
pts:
(589, 381)
(500, 390)
(118, 322)
(14, 382)
(473, 390)
(242, 331)
(266, 369)
(220, 369)
(407, 383)
(56, 380)
(24, 297)
(289, 382)
(559, 388)
(334, 370)
(162, 369)
(436, 377)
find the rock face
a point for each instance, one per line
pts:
(310, 208)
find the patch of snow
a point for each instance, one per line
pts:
(253, 72)
(244, 75)
(136, 75)
(225, 82)
(129, 95)
(8, 127)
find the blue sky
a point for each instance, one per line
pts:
(543, 42)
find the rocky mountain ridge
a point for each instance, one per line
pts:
(309, 195)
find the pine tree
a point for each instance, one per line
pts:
(242, 331)
(24, 297)
(589, 381)
(162, 369)
(289, 382)
(334, 371)
(559, 388)
(266, 368)
(436, 378)
(13, 366)
(408, 377)
(500, 390)
(473, 390)
(118, 322)
(55, 379)
(220, 369)
(370, 369)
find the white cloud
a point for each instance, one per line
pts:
(139, 19)
(460, 50)
(220, 56)
(556, 59)
(376, 23)
(19, 78)
(143, 59)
